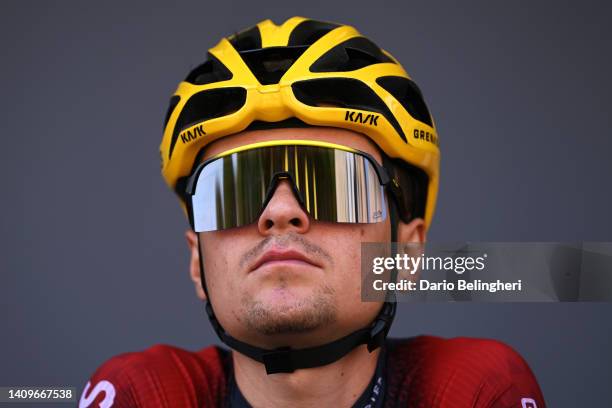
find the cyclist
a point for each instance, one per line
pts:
(289, 147)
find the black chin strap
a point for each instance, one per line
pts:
(287, 359)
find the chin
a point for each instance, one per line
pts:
(284, 309)
(283, 297)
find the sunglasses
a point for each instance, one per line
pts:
(332, 183)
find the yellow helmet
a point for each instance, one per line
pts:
(322, 73)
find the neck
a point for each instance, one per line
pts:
(337, 384)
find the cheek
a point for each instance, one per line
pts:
(220, 264)
(344, 244)
(353, 313)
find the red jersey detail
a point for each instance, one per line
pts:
(423, 372)
(161, 376)
(431, 372)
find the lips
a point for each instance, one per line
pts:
(276, 255)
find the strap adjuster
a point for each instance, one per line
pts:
(278, 361)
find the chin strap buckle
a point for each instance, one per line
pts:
(278, 361)
(377, 335)
(380, 328)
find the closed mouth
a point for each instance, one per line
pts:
(283, 255)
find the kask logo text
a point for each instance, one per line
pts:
(359, 117)
(192, 134)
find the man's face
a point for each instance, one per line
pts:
(288, 279)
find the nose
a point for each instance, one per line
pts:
(283, 213)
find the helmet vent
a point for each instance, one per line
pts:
(249, 39)
(309, 31)
(207, 105)
(210, 71)
(173, 102)
(270, 64)
(346, 93)
(350, 55)
(409, 95)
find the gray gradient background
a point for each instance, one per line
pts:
(93, 258)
